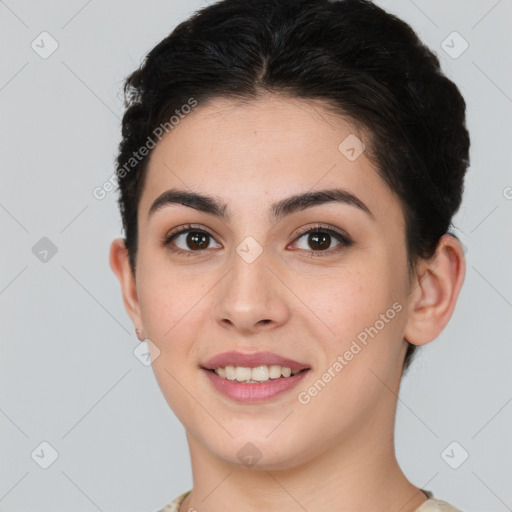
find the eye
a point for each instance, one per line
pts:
(192, 240)
(320, 238)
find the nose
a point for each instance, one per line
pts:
(250, 298)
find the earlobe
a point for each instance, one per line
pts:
(437, 287)
(119, 263)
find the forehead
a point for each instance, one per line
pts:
(252, 153)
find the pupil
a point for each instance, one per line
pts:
(315, 236)
(200, 239)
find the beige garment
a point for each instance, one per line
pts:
(431, 505)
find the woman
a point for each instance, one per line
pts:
(288, 174)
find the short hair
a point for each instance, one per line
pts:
(366, 65)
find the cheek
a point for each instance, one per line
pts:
(351, 299)
(168, 301)
(365, 310)
(367, 317)
(170, 311)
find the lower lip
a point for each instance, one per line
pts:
(256, 392)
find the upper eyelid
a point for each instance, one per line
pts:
(326, 228)
(185, 229)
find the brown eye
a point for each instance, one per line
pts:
(320, 240)
(197, 240)
(189, 240)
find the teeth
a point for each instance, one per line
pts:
(259, 374)
(242, 373)
(254, 375)
(230, 372)
(274, 372)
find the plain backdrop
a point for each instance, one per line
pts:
(73, 394)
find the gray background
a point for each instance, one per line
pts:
(68, 373)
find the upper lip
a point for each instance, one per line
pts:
(252, 360)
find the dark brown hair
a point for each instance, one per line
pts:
(366, 64)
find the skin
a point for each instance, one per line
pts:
(337, 451)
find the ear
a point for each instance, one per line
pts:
(436, 287)
(119, 263)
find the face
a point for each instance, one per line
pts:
(324, 284)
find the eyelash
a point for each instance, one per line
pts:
(344, 240)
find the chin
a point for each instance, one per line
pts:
(260, 453)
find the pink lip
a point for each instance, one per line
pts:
(251, 361)
(253, 393)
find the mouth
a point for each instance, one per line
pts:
(253, 378)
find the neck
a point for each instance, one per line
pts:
(357, 472)
(360, 475)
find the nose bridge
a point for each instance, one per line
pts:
(248, 285)
(249, 297)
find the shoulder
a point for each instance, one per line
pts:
(175, 504)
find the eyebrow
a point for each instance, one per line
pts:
(214, 206)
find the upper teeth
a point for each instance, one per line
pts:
(257, 374)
